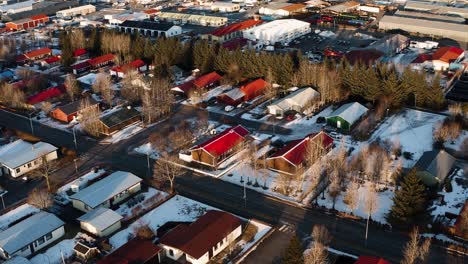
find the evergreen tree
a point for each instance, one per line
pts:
(203, 56)
(66, 48)
(409, 202)
(138, 46)
(293, 253)
(148, 52)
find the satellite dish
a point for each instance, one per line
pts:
(213, 131)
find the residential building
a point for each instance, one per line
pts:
(199, 84)
(243, 93)
(25, 23)
(136, 65)
(68, 112)
(232, 31)
(292, 157)
(101, 61)
(391, 44)
(80, 54)
(107, 192)
(81, 67)
(346, 115)
(135, 251)
(76, 11)
(344, 7)
(30, 235)
(434, 166)
(225, 7)
(371, 260)
(280, 31)
(203, 239)
(119, 119)
(442, 58)
(282, 9)
(296, 101)
(34, 55)
(184, 18)
(220, 147)
(84, 251)
(150, 28)
(100, 222)
(46, 95)
(20, 157)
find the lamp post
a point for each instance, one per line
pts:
(31, 124)
(245, 196)
(2, 193)
(74, 138)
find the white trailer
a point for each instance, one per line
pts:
(424, 45)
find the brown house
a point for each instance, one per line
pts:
(119, 119)
(291, 158)
(66, 113)
(135, 251)
(219, 148)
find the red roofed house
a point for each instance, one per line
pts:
(291, 158)
(245, 93)
(67, 113)
(135, 251)
(442, 58)
(80, 54)
(232, 31)
(120, 71)
(220, 147)
(101, 61)
(421, 61)
(35, 55)
(371, 260)
(81, 67)
(52, 61)
(203, 82)
(46, 95)
(26, 23)
(203, 239)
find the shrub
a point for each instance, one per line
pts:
(249, 232)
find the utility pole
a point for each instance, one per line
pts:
(245, 196)
(76, 166)
(74, 138)
(31, 124)
(148, 162)
(367, 228)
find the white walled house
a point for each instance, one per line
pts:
(225, 7)
(30, 235)
(203, 239)
(107, 192)
(295, 101)
(150, 29)
(100, 222)
(20, 157)
(280, 31)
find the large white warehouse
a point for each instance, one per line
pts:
(76, 11)
(282, 31)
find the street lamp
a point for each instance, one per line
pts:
(2, 193)
(74, 138)
(31, 124)
(76, 166)
(245, 196)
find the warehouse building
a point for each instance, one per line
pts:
(150, 28)
(427, 27)
(76, 11)
(183, 18)
(225, 7)
(279, 31)
(16, 7)
(26, 23)
(436, 9)
(282, 9)
(433, 17)
(233, 31)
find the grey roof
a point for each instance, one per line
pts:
(106, 188)
(390, 43)
(436, 162)
(21, 152)
(101, 218)
(119, 116)
(159, 26)
(48, 8)
(28, 230)
(74, 106)
(350, 112)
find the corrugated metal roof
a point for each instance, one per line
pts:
(101, 218)
(21, 152)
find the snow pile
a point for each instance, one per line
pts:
(16, 214)
(147, 149)
(178, 208)
(125, 133)
(413, 129)
(454, 200)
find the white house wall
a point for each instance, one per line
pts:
(33, 164)
(56, 234)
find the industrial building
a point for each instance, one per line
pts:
(225, 7)
(12, 7)
(26, 23)
(76, 11)
(232, 31)
(150, 28)
(282, 9)
(432, 17)
(436, 9)
(279, 31)
(184, 18)
(427, 27)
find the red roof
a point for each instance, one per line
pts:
(136, 64)
(151, 11)
(38, 52)
(422, 58)
(447, 54)
(235, 43)
(294, 151)
(224, 141)
(81, 65)
(200, 236)
(221, 31)
(206, 80)
(371, 260)
(46, 94)
(253, 88)
(79, 52)
(101, 59)
(52, 59)
(134, 251)
(368, 56)
(37, 17)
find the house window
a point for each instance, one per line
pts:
(18, 170)
(36, 162)
(29, 165)
(48, 236)
(40, 241)
(171, 252)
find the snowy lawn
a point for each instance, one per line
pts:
(49, 121)
(16, 214)
(81, 182)
(413, 129)
(125, 133)
(145, 200)
(456, 145)
(54, 254)
(385, 203)
(454, 200)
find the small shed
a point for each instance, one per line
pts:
(434, 166)
(67, 113)
(119, 119)
(101, 221)
(346, 115)
(84, 252)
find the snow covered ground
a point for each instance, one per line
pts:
(413, 129)
(82, 182)
(385, 202)
(54, 254)
(16, 214)
(125, 133)
(454, 200)
(49, 121)
(149, 198)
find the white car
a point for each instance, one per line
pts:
(229, 108)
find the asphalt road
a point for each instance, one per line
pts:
(347, 235)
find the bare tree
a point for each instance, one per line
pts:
(71, 86)
(89, 118)
(318, 254)
(46, 107)
(320, 234)
(351, 198)
(103, 85)
(166, 169)
(144, 231)
(11, 97)
(78, 40)
(415, 248)
(283, 182)
(47, 166)
(132, 86)
(462, 226)
(371, 200)
(334, 189)
(40, 198)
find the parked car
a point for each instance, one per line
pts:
(229, 108)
